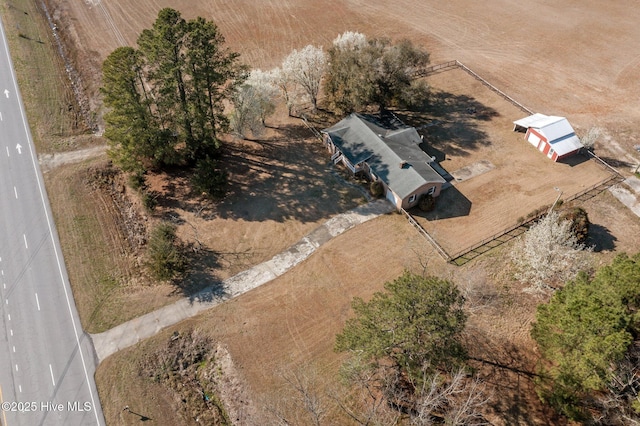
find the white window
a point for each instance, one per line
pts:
(412, 198)
(432, 190)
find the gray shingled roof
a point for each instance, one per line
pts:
(384, 147)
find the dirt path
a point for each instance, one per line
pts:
(51, 161)
(626, 197)
(140, 328)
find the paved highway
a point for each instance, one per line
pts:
(47, 362)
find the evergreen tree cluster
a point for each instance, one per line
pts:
(166, 98)
(585, 334)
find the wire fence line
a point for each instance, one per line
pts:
(596, 188)
(444, 66)
(425, 234)
(434, 69)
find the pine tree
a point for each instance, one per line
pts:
(416, 324)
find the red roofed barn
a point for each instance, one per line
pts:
(553, 136)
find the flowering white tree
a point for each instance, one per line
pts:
(266, 92)
(350, 40)
(590, 137)
(290, 92)
(253, 102)
(549, 254)
(305, 68)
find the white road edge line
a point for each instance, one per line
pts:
(44, 206)
(52, 379)
(37, 301)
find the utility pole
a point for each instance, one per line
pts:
(557, 199)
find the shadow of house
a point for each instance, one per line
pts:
(451, 203)
(385, 149)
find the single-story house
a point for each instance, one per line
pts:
(551, 135)
(388, 151)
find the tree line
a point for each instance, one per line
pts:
(169, 100)
(354, 74)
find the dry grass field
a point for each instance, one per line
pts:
(577, 59)
(473, 124)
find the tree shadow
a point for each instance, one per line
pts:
(601, 238)
(281, 177)
(284, 177)
(450, 123)
(506, 370)
(201, 276)
(616, 162)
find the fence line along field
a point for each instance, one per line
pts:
(473, 128)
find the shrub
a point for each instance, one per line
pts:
(376, 188)
(427, 203)
(209, 178)
(137, 180)
(149, 200)
(165, 257)
(579, 222)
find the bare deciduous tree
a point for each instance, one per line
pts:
(301, 400)
(620, 403)
(549, 254)
(456, 401)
